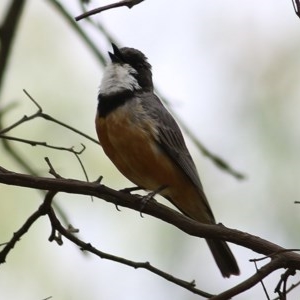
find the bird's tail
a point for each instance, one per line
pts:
(223, 257)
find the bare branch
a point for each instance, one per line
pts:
(293, 286)
(282, 260)
(51, 168)
(42, 210)
(272, 255)
(48, 298)
(44, 144)
(251, 281)
(80, 162)
(128, 3)
(281, 288)
(41, 114)
(56, 225)
(262, 282)
(153, 208)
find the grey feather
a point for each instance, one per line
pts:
(170, 138)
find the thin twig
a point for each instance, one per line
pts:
(44, 144)
(83, 168)
(40, 114)
(42, 210)
(143, 265)
(99, 27)
(274, 254)
(281, 288)
(19, 158)
(191, 227)
(262, 282)
(152, 208)
(127, 3)
(82, 165)
(293, 286)
(90, 43)
(51, 168)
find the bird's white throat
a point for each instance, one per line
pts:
(118, 78)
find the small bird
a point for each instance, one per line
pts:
(145, 143)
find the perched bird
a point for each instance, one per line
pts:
(144, 142)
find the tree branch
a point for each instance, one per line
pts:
(280, 258)
(128, 3)
(44, 144)
(56, 225)
(42, 210)
(154, 209)
(252, 281)
(40, 114)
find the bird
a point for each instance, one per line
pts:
(146, 145)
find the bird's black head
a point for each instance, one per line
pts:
(138, 61)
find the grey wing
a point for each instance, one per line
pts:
(171, 139)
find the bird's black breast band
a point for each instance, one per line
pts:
(108, 103)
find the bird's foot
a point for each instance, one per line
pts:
(149, 197)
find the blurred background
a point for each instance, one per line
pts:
(229, 70)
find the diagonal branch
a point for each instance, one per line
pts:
(251, 281)
(42, 210)
(128, 3)
(280, 259)
(281, 288)
(40, 114)
(152, 208)
(44, 144)
(143, 265)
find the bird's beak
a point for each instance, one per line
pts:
(116, 57)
